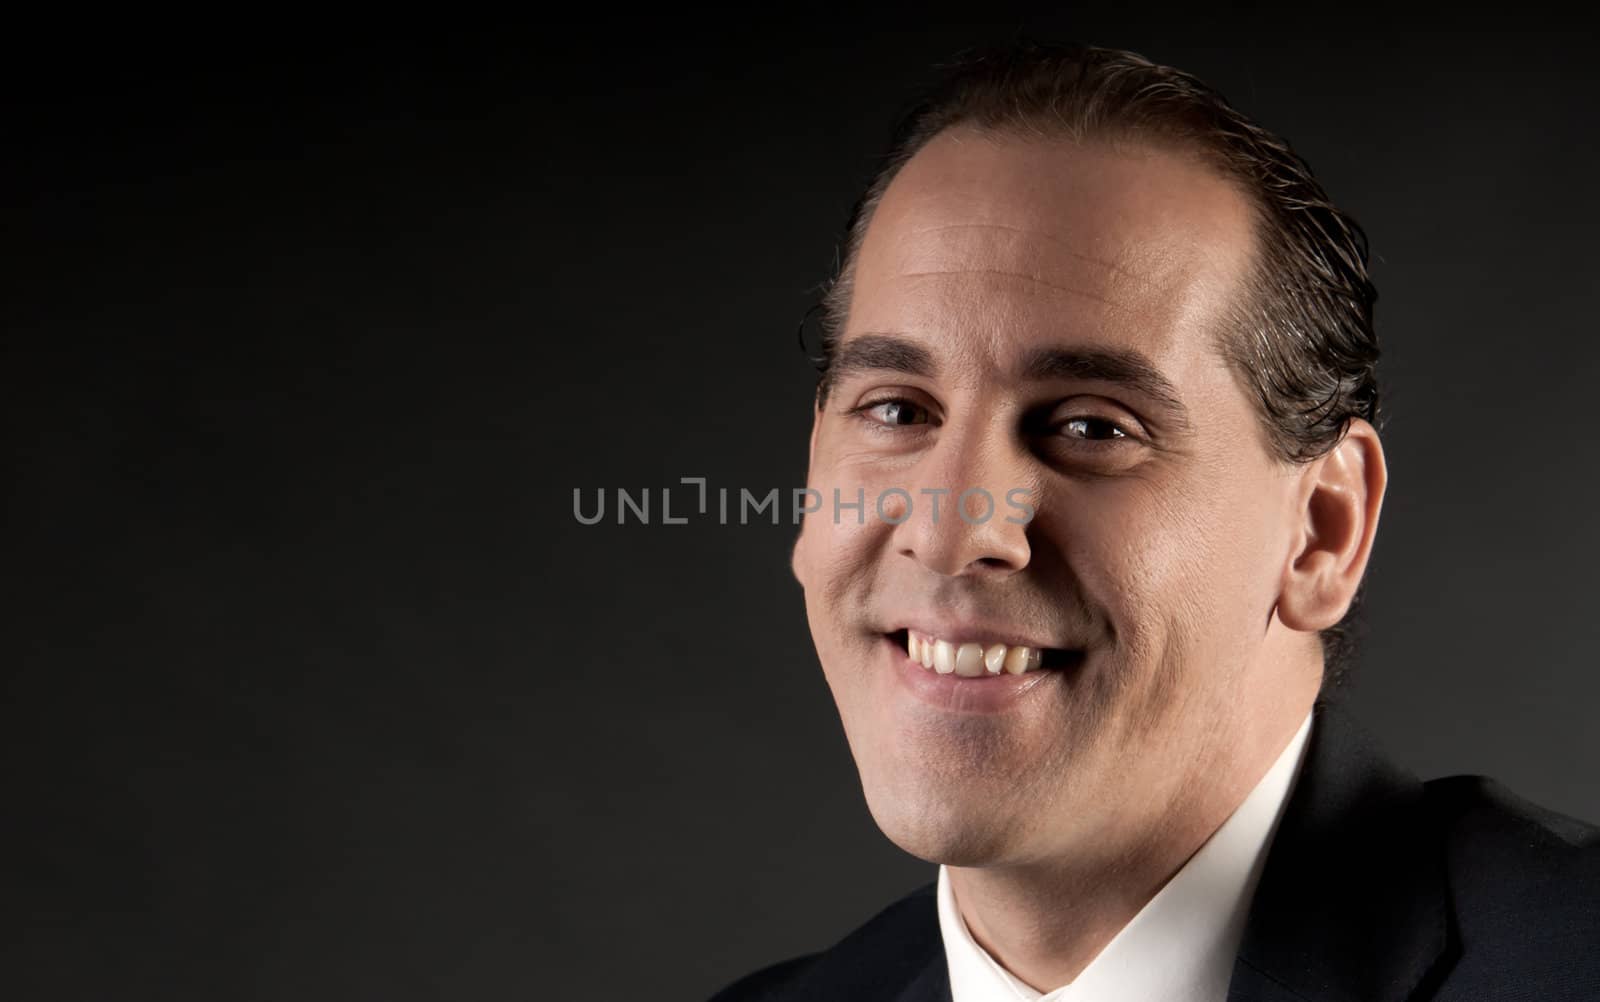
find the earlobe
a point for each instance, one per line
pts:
(1341, 497)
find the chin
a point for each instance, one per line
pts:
(931, 825)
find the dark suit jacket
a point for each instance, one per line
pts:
(1377, 887)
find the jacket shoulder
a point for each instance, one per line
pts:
(1524, 887)
(769, 982)
(1497, 841)
(877, 960)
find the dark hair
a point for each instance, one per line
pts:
(1301, 339)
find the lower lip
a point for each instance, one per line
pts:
(961, 694)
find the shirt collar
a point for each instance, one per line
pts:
(1182, 943)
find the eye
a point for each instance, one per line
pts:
(1091, 436)
(893, 412)
(1091, 428)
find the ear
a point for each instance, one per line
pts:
(796, 554)
(1340, 497)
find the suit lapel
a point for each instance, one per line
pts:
(1352, 903)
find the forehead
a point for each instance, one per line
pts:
(986, 246)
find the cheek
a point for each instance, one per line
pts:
(1170, 563)
(837, 557)
(1209, 559)
(1152, 563)
(837, 534)
(855, 502)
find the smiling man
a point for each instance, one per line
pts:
(1084, 283)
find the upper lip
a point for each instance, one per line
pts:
(974, 630)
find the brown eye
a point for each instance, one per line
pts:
(895, 412)
(1091, 428)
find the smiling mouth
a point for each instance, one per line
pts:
(970, 659)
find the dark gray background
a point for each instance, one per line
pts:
(314, 689)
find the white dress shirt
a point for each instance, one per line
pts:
(1181, 946)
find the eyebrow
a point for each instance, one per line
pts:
(881, 351)
(1122, 366)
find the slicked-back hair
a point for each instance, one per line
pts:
(1300, 339)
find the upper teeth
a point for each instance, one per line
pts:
(970, 659)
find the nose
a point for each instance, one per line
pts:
(964, 519)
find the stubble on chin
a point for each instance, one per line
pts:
(961, 792)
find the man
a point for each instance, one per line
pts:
(1085, 284)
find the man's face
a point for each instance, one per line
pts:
(1044, 316)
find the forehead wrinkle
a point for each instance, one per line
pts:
(1014, 274)
(1066, 248)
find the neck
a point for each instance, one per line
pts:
(1046, 921)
